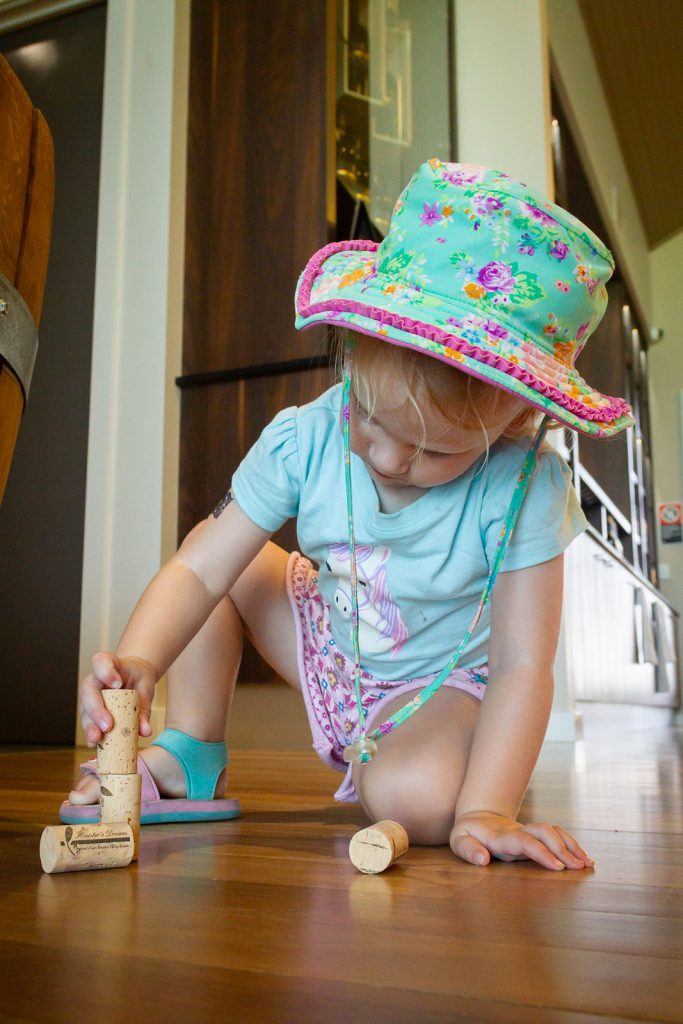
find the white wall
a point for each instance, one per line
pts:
(503, 121)
(666, 387)
(503, 88)
(132, 482)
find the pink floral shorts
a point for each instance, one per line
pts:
(327, 677)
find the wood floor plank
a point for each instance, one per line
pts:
(292, 932)
(195, 992)
(264, 918)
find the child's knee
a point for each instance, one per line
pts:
(423, 801)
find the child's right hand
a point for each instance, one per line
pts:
(112, 672)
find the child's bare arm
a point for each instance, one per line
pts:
(525, 621)
(174, 606)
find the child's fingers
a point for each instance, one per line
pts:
(470, 849)
(142, 677)
(144, 726)
(111, 672)
(479, 838)
(93, 733)
(94, 716)
(108, 669)
(574, 846)
(107, 673)
(522, 844)
(514, 844)
(505, 843)
(554, 839)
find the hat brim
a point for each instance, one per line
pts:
(341, 285)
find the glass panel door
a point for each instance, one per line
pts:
(394, 103)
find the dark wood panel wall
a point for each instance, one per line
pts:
(257, 176)
(223, 421)
(256, 210)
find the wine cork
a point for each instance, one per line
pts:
(117, 752)
(376, 848)
(85, 847)
(120, 802)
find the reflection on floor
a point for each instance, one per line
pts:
(265, 919)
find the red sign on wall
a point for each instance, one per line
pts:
(671, 521)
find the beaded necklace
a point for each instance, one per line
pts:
(365, 747)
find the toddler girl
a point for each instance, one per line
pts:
(453, 337)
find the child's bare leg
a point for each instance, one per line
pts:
(199, 690)
(417, 773)
(201, 683)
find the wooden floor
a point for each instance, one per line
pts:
(265, 919)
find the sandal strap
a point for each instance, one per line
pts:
(202, 763)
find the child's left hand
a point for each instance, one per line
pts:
(481, 835)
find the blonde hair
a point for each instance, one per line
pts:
(457, 396)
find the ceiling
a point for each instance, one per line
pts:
(638, 47)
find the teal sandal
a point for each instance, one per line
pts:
(202, 764)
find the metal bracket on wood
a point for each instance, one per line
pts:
(18, 334)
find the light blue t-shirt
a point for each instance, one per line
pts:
(421, 570)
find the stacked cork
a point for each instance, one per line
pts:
(117, 763)
(114, 842)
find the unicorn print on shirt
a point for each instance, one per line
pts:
(380, 626)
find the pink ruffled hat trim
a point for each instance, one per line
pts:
(482, 272)
(533, 375)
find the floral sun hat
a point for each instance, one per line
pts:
(481, 271)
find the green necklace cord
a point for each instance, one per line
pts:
(365, 747)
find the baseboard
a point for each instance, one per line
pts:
(564, 727)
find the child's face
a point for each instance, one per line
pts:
(389, 441)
